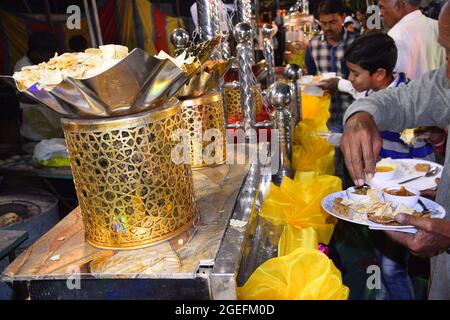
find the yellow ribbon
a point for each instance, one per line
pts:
(304, 274)
(299, 203)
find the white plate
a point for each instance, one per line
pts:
(405, 170)
(328, 201)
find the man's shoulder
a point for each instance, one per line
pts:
(316, 41)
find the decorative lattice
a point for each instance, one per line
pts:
(199, 115)
(130, 192)
(233, 102)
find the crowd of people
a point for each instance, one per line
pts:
(391, 80)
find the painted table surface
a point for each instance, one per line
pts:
(63, 251)
(10, 240)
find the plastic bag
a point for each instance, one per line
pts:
(51, 152)
(299, 204)
(304, 274)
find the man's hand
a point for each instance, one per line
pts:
(361, 143)
(432, 235)
(329, 84)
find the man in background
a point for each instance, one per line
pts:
(325, 53)
(415, 35)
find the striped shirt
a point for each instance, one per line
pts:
(393, 147)
(322, 57)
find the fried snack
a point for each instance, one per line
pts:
(386, 220)
(78, 65)
(422, 167)
(408, 136)
(340, 209)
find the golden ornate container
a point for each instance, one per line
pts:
(232, 96)
(204, 119)
(130, 191)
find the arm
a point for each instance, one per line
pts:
(309, 61)
(346, 87)
(432, 235)
(342, 85)
(423, 102)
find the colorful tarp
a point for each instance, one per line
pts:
(135, 23)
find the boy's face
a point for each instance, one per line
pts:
(361, 79)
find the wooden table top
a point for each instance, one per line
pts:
(63, 251)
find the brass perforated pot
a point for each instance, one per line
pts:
(204, 119)
(232, 96)
(130, 191)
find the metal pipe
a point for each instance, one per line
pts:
(245, 15)
(245, 11)
(97, 23)
(280, 95)
(48, 15)
(268, 32)
(293, 73)
(208, 18)
(27, 6)
(243, 34)
(89, 22)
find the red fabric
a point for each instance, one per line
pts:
(159, 35)
(108, 23)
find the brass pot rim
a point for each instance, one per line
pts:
(231, 85)
(212, 96)
(168, 109)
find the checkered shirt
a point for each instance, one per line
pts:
(322, 57)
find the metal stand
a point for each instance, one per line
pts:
(280, 96)
(180, 39)
(268, 32)
(293, 73)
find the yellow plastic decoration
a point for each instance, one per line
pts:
(312, 152)
(299, 204)
(293, 238)
(304, 274)
(316, 111)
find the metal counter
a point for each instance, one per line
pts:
(207, 262)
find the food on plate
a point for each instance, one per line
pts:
(361, 190)
(422, 167)
(78, 65)
(385, 214)
(408, 136)
(376, 211)
(340, 208)
(402, 192)
(384, 168)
